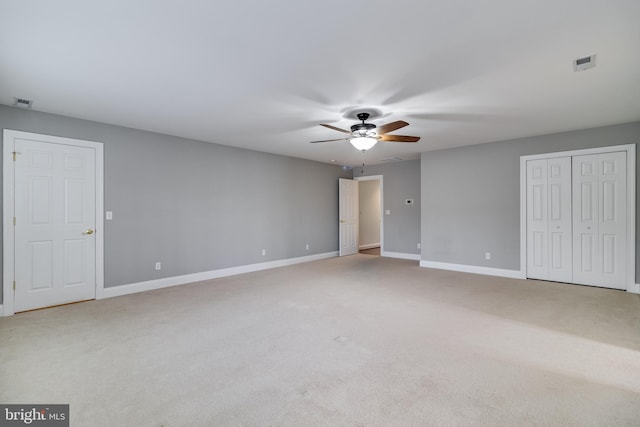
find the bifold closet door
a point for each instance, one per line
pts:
(549, 243)
(600, 219)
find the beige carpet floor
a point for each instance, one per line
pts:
(354, 341)
(372, 251)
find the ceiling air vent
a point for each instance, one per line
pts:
(22, 102)
(391, 159)
(585, 63)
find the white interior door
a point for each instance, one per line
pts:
(599, 219)
(55, 213)
(537, 220)
(349, 210)
(549, 219)
(560, 230)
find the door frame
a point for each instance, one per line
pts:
(380, 179)
(631, 203)
(8, 186)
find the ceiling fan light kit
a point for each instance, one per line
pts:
(365, 135)
(363, 143)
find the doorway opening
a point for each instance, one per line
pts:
(370, 235)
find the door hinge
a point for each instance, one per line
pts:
(14, 285)
(14, 220)
(15, 153)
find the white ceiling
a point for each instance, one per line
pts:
(263, 75)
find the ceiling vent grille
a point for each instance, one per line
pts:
(585, 63)
(22, 102)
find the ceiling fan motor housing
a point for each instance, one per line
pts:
(363, 129)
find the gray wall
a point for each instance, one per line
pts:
(401, 181)
(370, 215)
(471, 195)
(197, 206)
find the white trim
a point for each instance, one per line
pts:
(488, 271)
(1, 311)
(379, 178)
(523, 216)
(631, 202)
(8, 208)
(166, 282)
(8, 263)
(636, 290)
(401, 255)
(370, 246)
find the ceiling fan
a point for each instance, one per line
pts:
(366, 135)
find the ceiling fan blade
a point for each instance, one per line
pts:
(399, 138)
(335, 128)
(328, 140)
(390, 127)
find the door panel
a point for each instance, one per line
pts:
(585, 220)
(600, 219)
(549, 219)
(537, 220)
(40, 265)
(559, 229)
(613, 219)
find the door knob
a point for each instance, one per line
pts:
(89, 231)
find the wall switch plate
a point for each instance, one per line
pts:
(158, 266)
(109, 215)
(487, 255)
(307, 247)
(387, 212)
(264, 252)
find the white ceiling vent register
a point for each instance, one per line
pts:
(22, 102)
(585, 63)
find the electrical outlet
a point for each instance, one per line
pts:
(158, 265)
(387, 212)
(264, 252)
(307, 247)
(418, 245)
(487, 256)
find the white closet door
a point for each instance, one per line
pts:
(599, 219)
(537, 220)
(549, 219)
(560, 242)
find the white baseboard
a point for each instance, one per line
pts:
(370, 246)
(634, 290)
(512, 274)
(149, 285)
(415, 257)
(1, 310)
